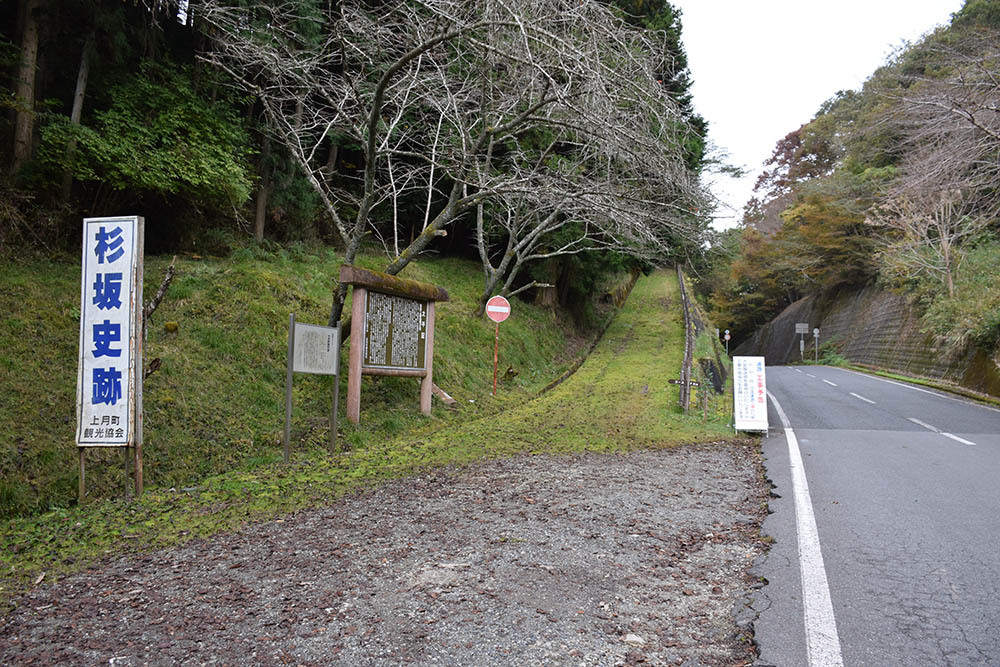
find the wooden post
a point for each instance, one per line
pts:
(333, 413)
(127, 458)
(357, 347)
(140, 330)
(288, 387)
(83, 483)
(138, 469)
(427, 384)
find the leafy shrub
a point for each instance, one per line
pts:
(973, 314)
(160, 135)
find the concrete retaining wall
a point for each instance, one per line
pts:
(877, 328)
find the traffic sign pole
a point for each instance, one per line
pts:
(496, 357)
(497, 309)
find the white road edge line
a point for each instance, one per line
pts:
(822, 642)
(958, 439)
(924, 424)
(866, 400)
(832, 384)
(921, 390)
(940, 432)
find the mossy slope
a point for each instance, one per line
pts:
(618, 400)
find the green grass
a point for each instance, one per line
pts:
(617, 401)
(217, 403)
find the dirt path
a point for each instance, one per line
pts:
(588, 560)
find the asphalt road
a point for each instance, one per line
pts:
(904, 486)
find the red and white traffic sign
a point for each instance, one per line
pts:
(498, 309)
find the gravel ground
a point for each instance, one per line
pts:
(585, 560)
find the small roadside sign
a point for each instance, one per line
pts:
(498, 309)
(749, 394)
(801, 327)
(312, 349)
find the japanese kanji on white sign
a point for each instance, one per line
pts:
(108, 394)
(749, 394)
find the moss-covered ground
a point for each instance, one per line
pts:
(217, 402)
(618, 400)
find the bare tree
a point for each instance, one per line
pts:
(949, 120)
(546, 109)
(946, 191)
(924, 232)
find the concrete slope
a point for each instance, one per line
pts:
(874, 327)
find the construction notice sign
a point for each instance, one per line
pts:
(749, 394)
(395, 332)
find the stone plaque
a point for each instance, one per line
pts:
(395, 332)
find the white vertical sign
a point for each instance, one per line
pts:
(108, 394)
(749, 394)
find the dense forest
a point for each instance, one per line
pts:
(895, 184)
(526, 134)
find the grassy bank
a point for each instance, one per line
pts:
(217, 402)
(617, 401)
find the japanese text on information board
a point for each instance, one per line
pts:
(395, 332)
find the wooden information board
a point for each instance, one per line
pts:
(395, 332)
(392, 332)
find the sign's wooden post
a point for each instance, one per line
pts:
(354, 360)
(392, 332)
(427, 384)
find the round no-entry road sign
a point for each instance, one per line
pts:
(498, 309)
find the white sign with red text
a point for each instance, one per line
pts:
(749, 394)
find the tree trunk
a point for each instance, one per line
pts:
(946, 256)
(83, 74)
(24, 87)
(263, 191)
(331, 161)
(492, 280)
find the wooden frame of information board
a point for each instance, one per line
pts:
(392, 332)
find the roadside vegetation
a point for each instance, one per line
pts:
(618, 400)
(548, 151)
(893, 184)
(217, 401)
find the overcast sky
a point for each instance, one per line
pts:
(762, 68)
